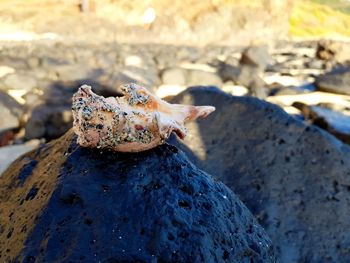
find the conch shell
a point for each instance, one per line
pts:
(136, 122)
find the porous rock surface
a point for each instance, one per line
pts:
(293, 177)
(66, 203)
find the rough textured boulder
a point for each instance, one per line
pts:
(337, 81)
(71, 204)
(328, 117)
(294, 178)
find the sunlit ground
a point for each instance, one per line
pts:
(111, 20)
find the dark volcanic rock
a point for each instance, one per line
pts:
(335, 122)
(337, 81)
(71, 204)
(294, 178)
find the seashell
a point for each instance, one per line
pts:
(136, 122)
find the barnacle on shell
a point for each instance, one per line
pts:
(136, 122)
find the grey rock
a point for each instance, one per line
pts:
(333, 51)
(333, 121)
(278, 91)
(48, 121)
(49, 62)
(32, 99)
(40, 73)
(337, 81)
(315, 64)
(78, 204)
(105, 59)
(249, 77)
(33, 62)
(20, 81)
(72, 72)
(172, 76)
(11, 112)
(35, 126)
(292, 90)
(50, 114)
(86, 56)
(113, 81)
(188, 54)
(147, 77)
(8, 120)
(200, 77)
(293, 177)
(257, 56)
(10, 153)
(14, 61)
(166, 57)
(226, 71)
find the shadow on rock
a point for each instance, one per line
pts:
(293, 177)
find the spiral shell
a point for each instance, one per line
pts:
(136, 122)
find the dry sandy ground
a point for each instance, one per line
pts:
(166, 21)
